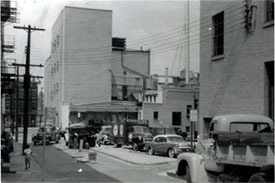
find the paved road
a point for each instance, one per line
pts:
(60, 167)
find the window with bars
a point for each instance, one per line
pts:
(269, 10)
(218, 34)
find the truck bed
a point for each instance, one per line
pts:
(247, 148)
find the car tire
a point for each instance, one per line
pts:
(117, 145)
(34, 143)
(135, 146)
(259, 177)
(171, 153)
(151, 151)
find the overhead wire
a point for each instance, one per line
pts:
(156, 48)
(198, 23)
(171, 43)
(161, 51)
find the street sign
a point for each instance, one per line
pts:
(193, 115)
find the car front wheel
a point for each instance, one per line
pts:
(151, 151)
(135, 147)
(171, 153)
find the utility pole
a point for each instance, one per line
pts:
(188, 49)
(27, 82)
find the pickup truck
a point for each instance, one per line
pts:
(239, 148)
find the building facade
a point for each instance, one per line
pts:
(236, 59)
(14, 108)
(170, 107)
(89, 73)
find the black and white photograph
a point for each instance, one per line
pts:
(138, 91)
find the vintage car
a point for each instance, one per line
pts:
(103, 136)
(171, 145)
(51, 135)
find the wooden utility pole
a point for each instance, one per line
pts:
(29, 30)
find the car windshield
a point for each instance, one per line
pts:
(175, 139)
(141, 129)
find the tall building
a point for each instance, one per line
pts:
(8, 15)
(236, 59)
(89, 73)
(11, 101)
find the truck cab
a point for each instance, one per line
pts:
(131, 132)
(239, 148)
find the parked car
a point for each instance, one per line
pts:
(103, 136)
(51, 135)
(171, 145)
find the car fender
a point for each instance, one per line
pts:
(196, 164)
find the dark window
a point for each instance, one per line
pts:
(176, 118)
(156, 115)
(188, 109)
(269, 10)
(218, 41)
(269, 66)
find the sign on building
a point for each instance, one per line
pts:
(193, 115)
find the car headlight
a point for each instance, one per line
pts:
(177, 146)
(139, 138)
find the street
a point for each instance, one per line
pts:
(59, 166)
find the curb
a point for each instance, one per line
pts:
(128, 160)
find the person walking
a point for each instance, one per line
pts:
(27, 153)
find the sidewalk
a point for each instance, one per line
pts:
(124, 154)
(17, 166)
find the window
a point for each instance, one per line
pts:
(269, 10)
(156, 115)
(57, 87)
(188, 109)
(218, 41)
(57, 65)
(176, 118)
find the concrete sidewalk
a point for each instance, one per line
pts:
(17, 167)
(124, 154)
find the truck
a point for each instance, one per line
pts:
(80, 131)
(131, 132)
(239, 148)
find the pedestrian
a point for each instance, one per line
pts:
(27, 153)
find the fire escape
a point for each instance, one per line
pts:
(8, 73)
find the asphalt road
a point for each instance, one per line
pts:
(57, 166)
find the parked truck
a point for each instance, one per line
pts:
(131, 132)
(239, 148)
(79, 131)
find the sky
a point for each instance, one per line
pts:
(155, 25)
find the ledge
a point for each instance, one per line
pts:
(218, 57)
(268, 24)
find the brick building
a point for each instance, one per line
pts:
(236, 59)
